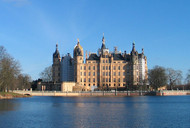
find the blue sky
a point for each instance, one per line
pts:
(29, 30)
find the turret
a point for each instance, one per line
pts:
(56, 65)
(103, 48)
(78, 61)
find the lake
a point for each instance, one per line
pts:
(92, 112)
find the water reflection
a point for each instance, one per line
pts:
(8, 105)
(84, 112)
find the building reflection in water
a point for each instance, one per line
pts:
(9, 105)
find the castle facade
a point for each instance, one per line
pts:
(104, 70)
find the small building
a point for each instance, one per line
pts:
(67, 86)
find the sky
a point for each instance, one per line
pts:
(30, 29)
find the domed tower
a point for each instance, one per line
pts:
(134, 65)
(56, 66)
(78, 61)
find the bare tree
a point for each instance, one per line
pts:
(9, 69)
(46, 74)
(157, 77)
(174, 77)
(23, 81)
(187, 79)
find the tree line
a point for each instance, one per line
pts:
(11, 77)
(171, 78)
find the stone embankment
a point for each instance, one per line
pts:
(173, 92)
(103, 93)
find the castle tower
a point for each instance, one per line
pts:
(56, 66)
(134, 65)
(78, 62)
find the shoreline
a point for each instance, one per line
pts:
(105, 93)
(11, 95)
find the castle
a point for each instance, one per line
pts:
(104, 70)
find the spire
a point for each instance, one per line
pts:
(56, 53)
(133, 46)
(142, 50)
(103, 40)
(56, 47)
(78, 41)
(103, 43)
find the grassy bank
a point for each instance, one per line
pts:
(10, 95)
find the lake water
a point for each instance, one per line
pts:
(92, 112)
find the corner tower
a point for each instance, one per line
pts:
(56, 66)
(78, 62)
(134, 65)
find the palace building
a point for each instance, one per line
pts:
(104, 70)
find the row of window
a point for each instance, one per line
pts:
(107, 67)
(89, 80)
(106, 85)
(104, 80)
(106, 73)
(89, 73)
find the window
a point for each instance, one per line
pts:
(93, 67)
(81, 67)
(114, 68)
(84, 73)
(109, 73)
(93, 79)
(88, 79)
(119, 79)
(89, 67)
(89, 85)
(106, 73)
(80, 80)
(123, 79)
(103, 61)
(84, 79)
(114, 80)
(103, 79)
(118, 67)
(84, 84)
(118, 73)
(109, 80)
(103, 67)
(89, 73)
(123, 67)
(123, 73)
(84, 67)
(93, 73)
(109, 67)
(81, 73)
(114, 73)
(106, 67)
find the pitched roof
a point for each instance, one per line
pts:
(93, 56)
(117, 56)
